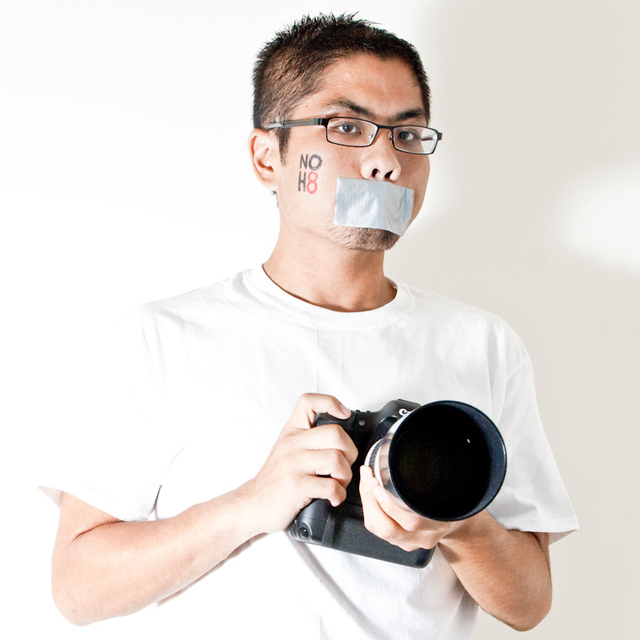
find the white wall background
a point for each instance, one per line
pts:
(124, 177)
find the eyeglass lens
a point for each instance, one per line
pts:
(353, 132)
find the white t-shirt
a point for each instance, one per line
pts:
(225, 366)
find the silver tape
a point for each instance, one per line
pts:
(373, 204)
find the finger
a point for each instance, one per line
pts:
(408, 520)
(374, 491)
(329, 436)
(325, 488)
(326, 462)
(380, 523)
(310, 405)
(376, 519)
(423, 531)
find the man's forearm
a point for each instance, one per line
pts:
(116, 568)
(103, 567)
(506, 572)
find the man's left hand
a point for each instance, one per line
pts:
(384, 517)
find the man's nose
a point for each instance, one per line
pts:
(380, 161)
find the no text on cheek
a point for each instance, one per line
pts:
(308, 173)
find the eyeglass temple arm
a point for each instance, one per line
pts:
(287, 124)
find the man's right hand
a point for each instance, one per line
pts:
(305, 463)
(104, 567)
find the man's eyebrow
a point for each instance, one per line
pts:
(338, 105)
(410, 114)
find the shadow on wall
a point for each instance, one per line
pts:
(535, 215)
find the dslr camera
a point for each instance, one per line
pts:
(443, 460)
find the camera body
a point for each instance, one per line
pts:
(444, 460)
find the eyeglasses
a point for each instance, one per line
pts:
(353, 132)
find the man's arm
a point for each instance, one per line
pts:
(506, 572)
(104, 567)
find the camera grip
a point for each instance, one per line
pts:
(311, 523)
(343, 528)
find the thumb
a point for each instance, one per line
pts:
(310, 405)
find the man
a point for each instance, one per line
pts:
(341, 109)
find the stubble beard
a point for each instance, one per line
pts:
(364, 239)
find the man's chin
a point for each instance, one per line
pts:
(362, 239)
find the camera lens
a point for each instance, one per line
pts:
(440, 462)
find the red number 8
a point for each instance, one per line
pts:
(312, 182)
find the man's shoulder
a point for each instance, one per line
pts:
(438, 304)
(220, 308)
(460, 320)
(198, 303)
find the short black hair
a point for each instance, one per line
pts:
(290, 67)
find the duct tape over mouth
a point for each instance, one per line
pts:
(373, 205)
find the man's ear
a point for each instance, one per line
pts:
(265, 157)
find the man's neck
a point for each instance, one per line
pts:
(338, 279)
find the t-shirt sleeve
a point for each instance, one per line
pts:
(113, 450)
(533, 496)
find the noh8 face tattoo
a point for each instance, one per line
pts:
(308, 174)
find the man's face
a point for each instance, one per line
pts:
(363, 86)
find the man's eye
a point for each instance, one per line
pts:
(408, 135)
(346, 128)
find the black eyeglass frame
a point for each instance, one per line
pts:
(309, 122)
